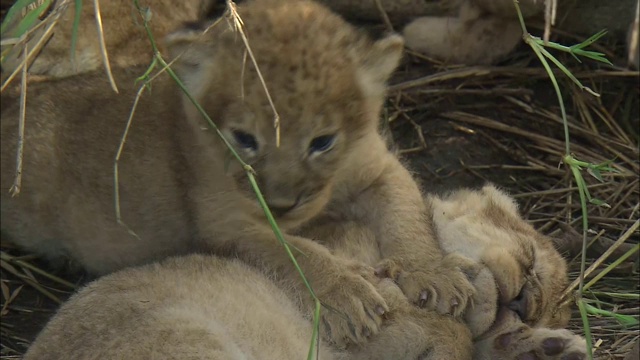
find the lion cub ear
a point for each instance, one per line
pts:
(379, 63)
(194, 53)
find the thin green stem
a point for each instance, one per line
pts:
(313, 348)
(563, 112)
(521, 18)
(587, 329)
(585, 225)
(543, 54)
(277, 231)
(611, 266)
(583, 261)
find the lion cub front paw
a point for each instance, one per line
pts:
(444, 286)
(526, 343)
(353, 308)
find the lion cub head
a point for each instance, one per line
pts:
(325, 80)
(521, 270)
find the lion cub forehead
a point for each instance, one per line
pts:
(302, 34)
(295, 21)
(310, 60)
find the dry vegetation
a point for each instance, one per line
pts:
(461, 126)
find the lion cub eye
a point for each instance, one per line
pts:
(322, 143)
(245, 140)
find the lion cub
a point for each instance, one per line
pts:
(126, 41)
(479, 32)
(520, 271)
(207, 307)
(181, 192)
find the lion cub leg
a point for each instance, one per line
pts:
(407, 331)
(392, 206)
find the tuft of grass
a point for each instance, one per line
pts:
(576, 166)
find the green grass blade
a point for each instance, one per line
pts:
(552, 77)
(13, 14)
(555, 46)
(624, 320)
(582, 306)
(29, 20)
(612, 266)
(599, 202)
(566, 71)
(76, 25)
(582, 190)
(595, 37)
(577, 50)
(315, 336)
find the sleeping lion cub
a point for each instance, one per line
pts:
(199, 307)
(520, 271)
(180, 191)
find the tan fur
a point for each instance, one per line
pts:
(520, 271)
(529, 272)
(206, 307)
(483, 32)
(126, 41)
(517, 273)
(203, 307)
(180, 191)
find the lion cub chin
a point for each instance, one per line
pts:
(180, 191)
(207, 307)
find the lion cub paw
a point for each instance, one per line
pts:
(444, 287)
(526, 343)
(353, 308)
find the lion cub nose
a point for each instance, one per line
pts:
(519, 306)
(282, 206)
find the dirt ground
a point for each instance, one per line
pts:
(464, 126)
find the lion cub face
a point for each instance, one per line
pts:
(522, 272)
(325, 80)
